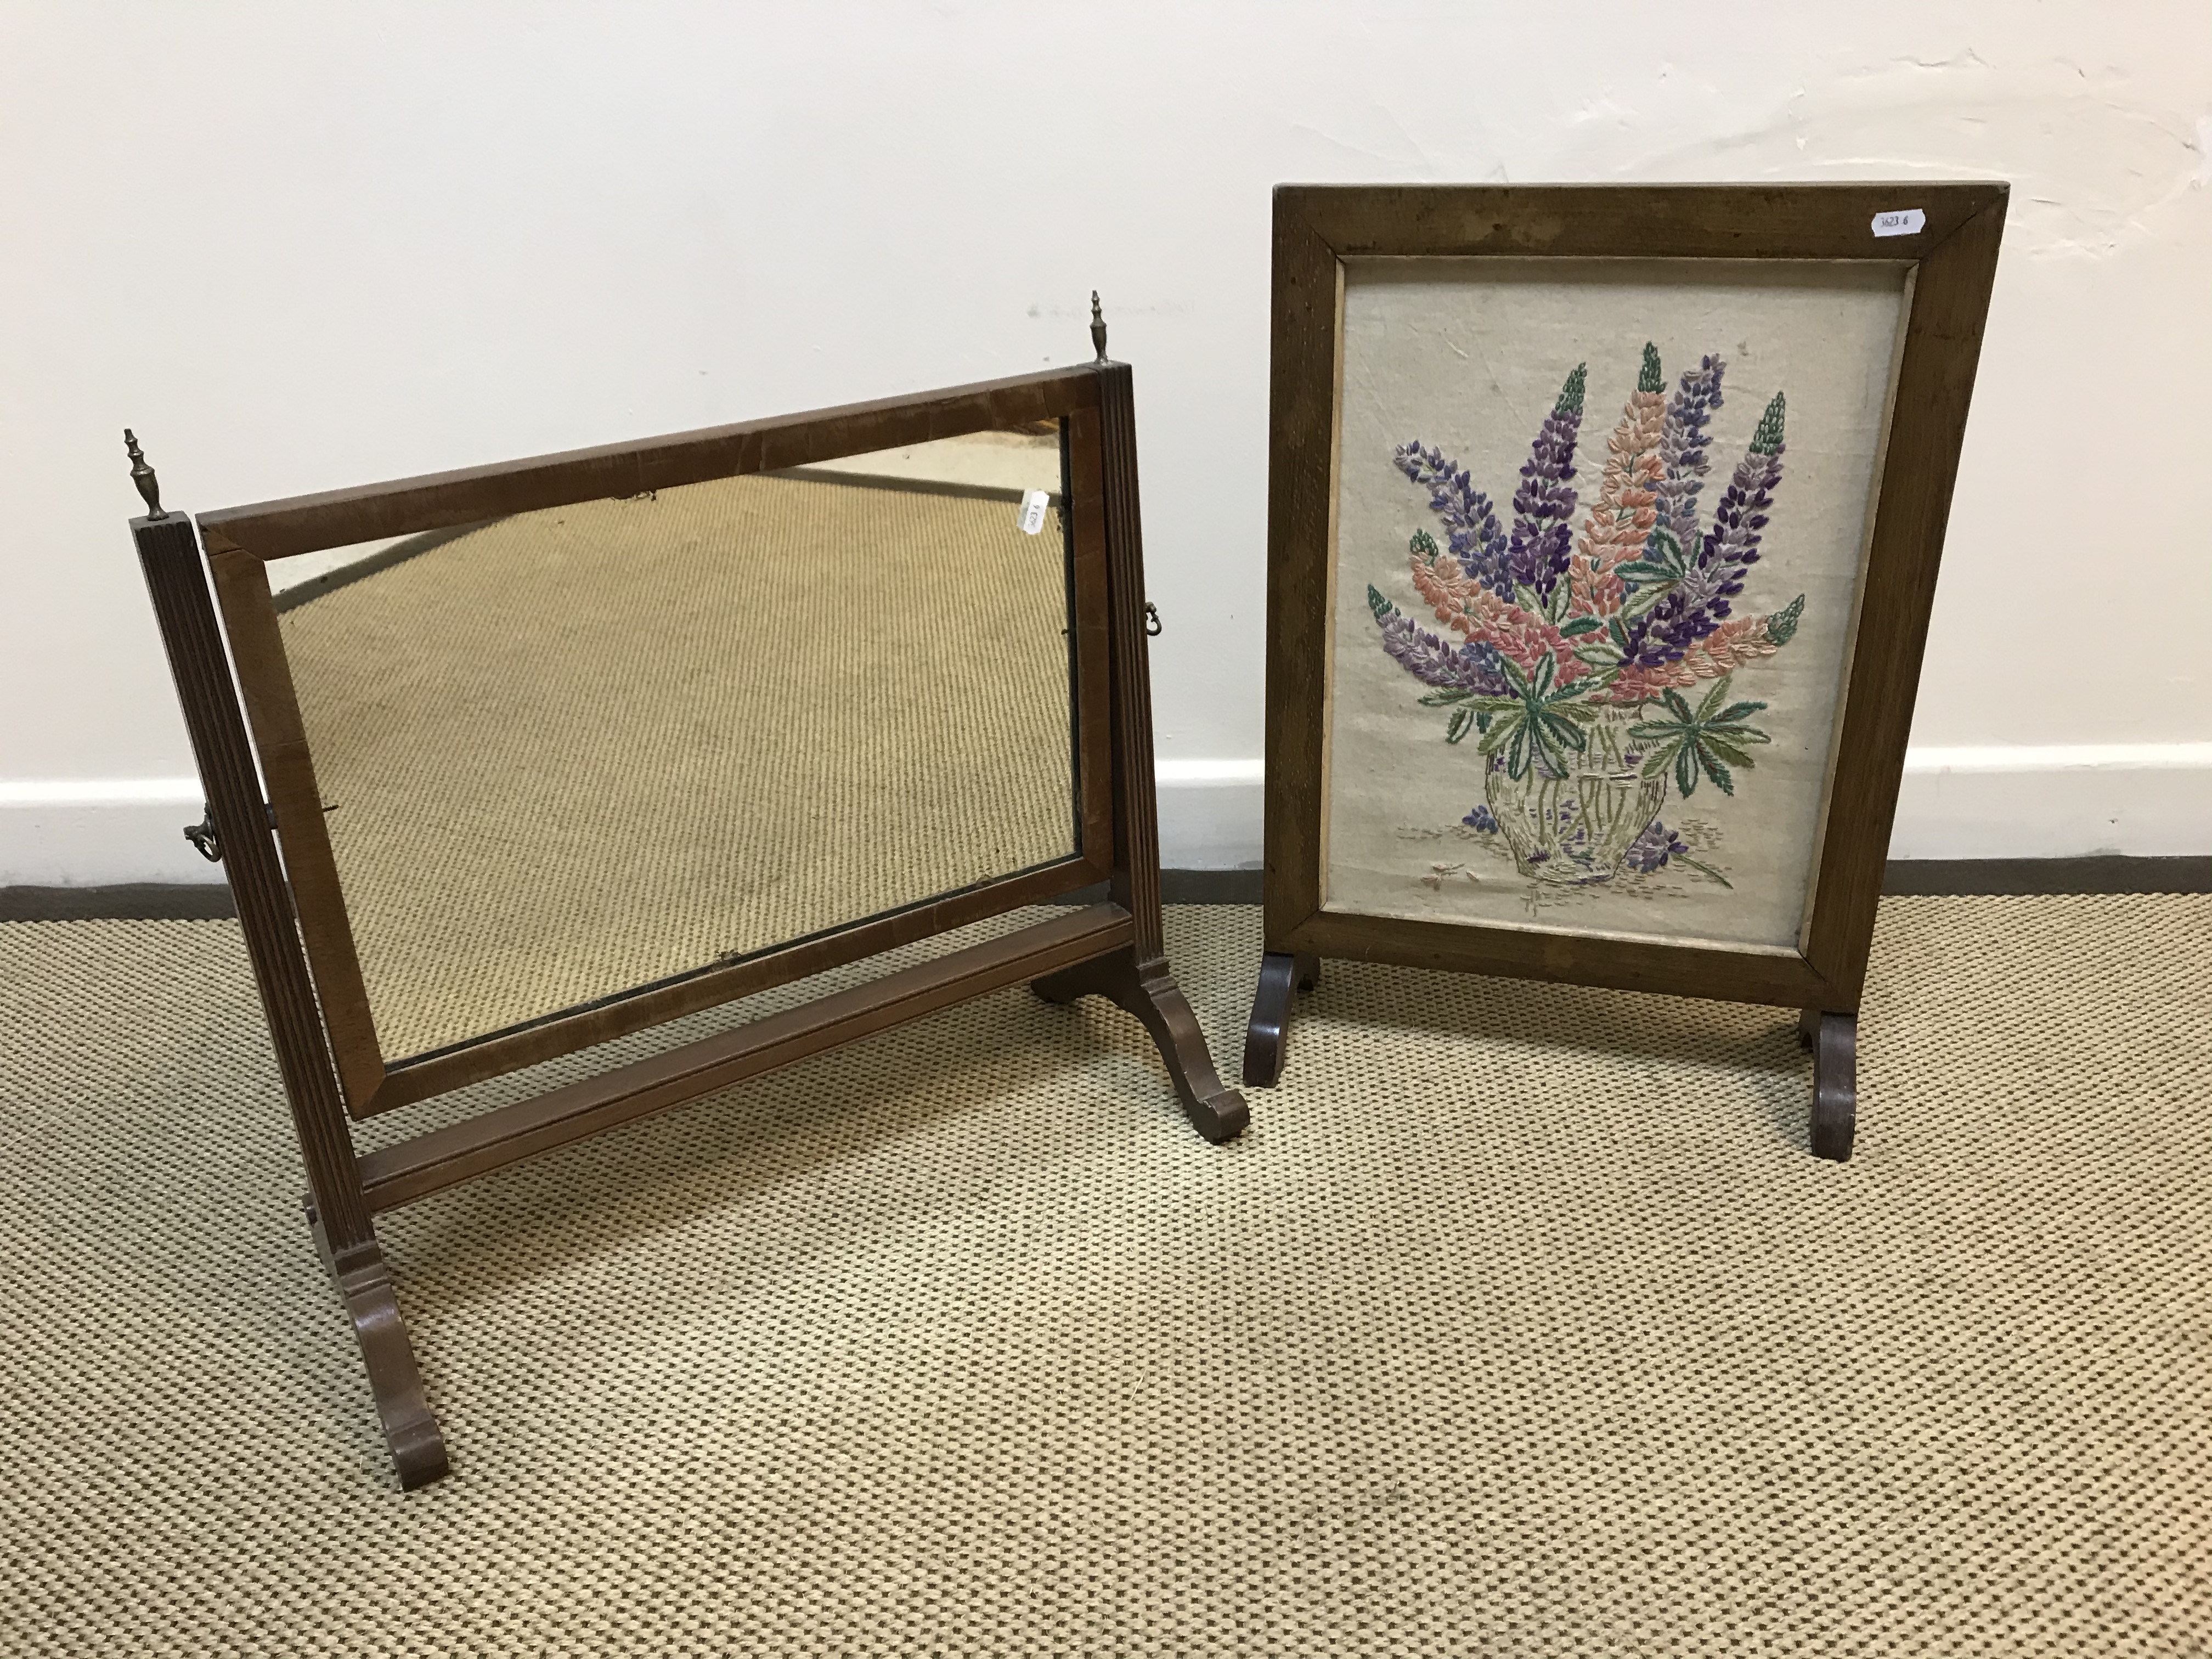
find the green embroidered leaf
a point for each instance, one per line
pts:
(1381, 606)
(1641, 571)
(1705, 869)
(1445, 698)
(1739, 734)
(1705, 743)
(1563, 730)
(1728, 751)
(1461, 721)
(1517, 753)
(1616, 627)
(1580, 626)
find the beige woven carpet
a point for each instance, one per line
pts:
(1520, 1323)
(763, 684)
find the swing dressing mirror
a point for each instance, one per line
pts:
(571, 754)
(521, 759)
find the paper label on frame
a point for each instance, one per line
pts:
(1903, 222)
(1033, 507)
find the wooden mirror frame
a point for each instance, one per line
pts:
(241, 541)
(1951, 262)
(317, 1008)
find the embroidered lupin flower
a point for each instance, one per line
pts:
(1521, 637)
(1727, 647)
(1467, 606)
(1440, 579)
(1476, 540)
(1682, 448)
(1433, 661)
(1699, 601)
(1649, 851)
(1537, 555)
(1625, 511)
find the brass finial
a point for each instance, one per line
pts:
(1097, 326)
(143, 476)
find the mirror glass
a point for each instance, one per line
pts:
(569, 754)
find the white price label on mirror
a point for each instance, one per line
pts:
(1033, 507)
(1905, 221)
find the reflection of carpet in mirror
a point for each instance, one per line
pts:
(580, 750)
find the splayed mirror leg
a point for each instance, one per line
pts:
(410, 1432)
(1834, 1040)
(1216, 1111)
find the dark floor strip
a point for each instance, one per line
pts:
(161, 902)
(2104, 875)
(145, 901)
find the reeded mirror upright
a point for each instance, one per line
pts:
(557, 749)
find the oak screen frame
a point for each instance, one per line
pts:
(1951, 262)
(239, 541)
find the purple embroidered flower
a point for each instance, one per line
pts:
(1649, 851)
(1682, 449)
(1473, 536)
(1472, 666)
(1537, 556)
(1480, 819)
(1700, 603)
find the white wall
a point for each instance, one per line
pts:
(298, 246)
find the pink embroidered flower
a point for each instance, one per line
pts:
(1527, 639)
(1468, 608)
(1739, 640)
(1621, 519)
